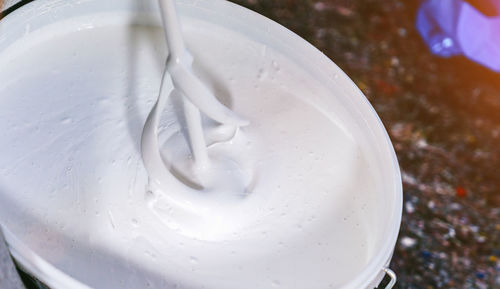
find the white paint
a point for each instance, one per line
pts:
(322, 205)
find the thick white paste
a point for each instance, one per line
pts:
(74, 99)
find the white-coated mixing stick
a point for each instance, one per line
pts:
(196, 97)
(178, 53)
(179, 68)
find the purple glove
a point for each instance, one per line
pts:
(453, 27)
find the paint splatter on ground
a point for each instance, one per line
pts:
(443, 116)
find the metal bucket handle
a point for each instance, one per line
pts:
(392, 276)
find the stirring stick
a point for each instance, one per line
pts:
(177, 50)
(196, 98)
(179, 67)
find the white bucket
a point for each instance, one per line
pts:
(365, 126)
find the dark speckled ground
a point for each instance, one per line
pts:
(443, 116)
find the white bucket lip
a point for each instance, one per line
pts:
(55, 278)
(37, 266)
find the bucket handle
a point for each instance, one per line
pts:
(391, 275)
